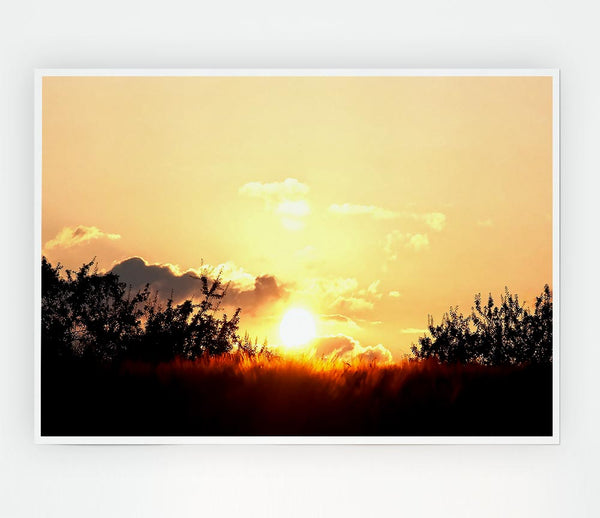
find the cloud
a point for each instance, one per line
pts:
(245, 291)
(289, 189)
(370, 322)
(485, 223)
(292, 223)
(231, 272)
(350, 209)
(434, 220)
(394, 294)
(339, 318)
(71, 236)
(397, 240)
(266, 291)
(341, 295)
(336, 346)
(337, 285)
(286, 199)
(374, 353)
(372, 289)
(346, 348)
(413, 331)
(417, 241)
(352, 304)
(297, 208)
(328, 288)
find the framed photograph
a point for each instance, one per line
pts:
(297, 256)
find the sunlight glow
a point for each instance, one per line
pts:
(297, 328)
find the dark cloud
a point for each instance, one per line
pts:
(266, 290)
(137, 273)
(165, 279)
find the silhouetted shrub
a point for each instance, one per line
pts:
(87, 314)
(508, 334)
(251, 350)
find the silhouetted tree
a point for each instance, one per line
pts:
(509, 333)
(56, 312)
(87, 314)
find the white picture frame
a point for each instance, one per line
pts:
(40, 439)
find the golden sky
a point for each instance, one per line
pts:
(370, 201)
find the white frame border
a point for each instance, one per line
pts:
(269, 72)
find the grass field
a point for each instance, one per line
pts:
(235, 396)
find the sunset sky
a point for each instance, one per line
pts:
(371, 202)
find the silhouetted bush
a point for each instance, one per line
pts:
(251, 350)
(508, 334)
(90, 315)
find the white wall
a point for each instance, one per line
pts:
(503, 481)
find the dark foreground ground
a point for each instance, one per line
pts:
(229, 397)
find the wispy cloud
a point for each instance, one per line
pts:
(373, 289)
(434, 220)
(485, 223)
(396, 240)
(71, 236)
(341, 295)
(287, 199)
(394, 294)
(340, 319)
(352, 304)
(290, 188)
(349, 209)
(297, 208)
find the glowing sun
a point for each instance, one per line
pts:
(297, 328)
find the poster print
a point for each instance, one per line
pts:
(297, 256)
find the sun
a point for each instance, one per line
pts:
(297, 328)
